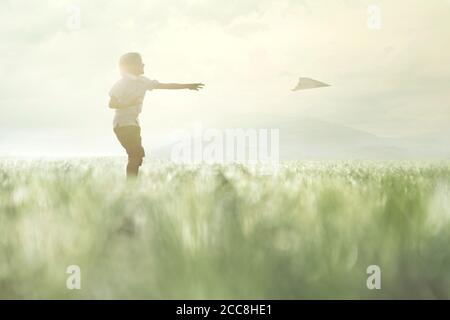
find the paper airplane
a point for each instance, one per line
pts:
(308, 83)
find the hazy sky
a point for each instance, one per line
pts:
(53, 96)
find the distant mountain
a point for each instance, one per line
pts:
(308, 138)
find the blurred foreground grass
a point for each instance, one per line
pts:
(224, 232)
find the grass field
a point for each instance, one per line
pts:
(209, 232)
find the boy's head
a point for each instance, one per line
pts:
(131, 63)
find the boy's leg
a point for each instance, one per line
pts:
(130, 138)
(133, 167)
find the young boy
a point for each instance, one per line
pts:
(127, 96)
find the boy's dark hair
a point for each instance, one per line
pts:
(130, 59)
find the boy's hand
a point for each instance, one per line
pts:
(195, 86)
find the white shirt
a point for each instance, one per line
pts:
(130, 89)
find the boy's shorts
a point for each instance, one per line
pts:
(130, 138)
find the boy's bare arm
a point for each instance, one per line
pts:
(190, 86)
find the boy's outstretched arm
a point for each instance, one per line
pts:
(190, 86)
